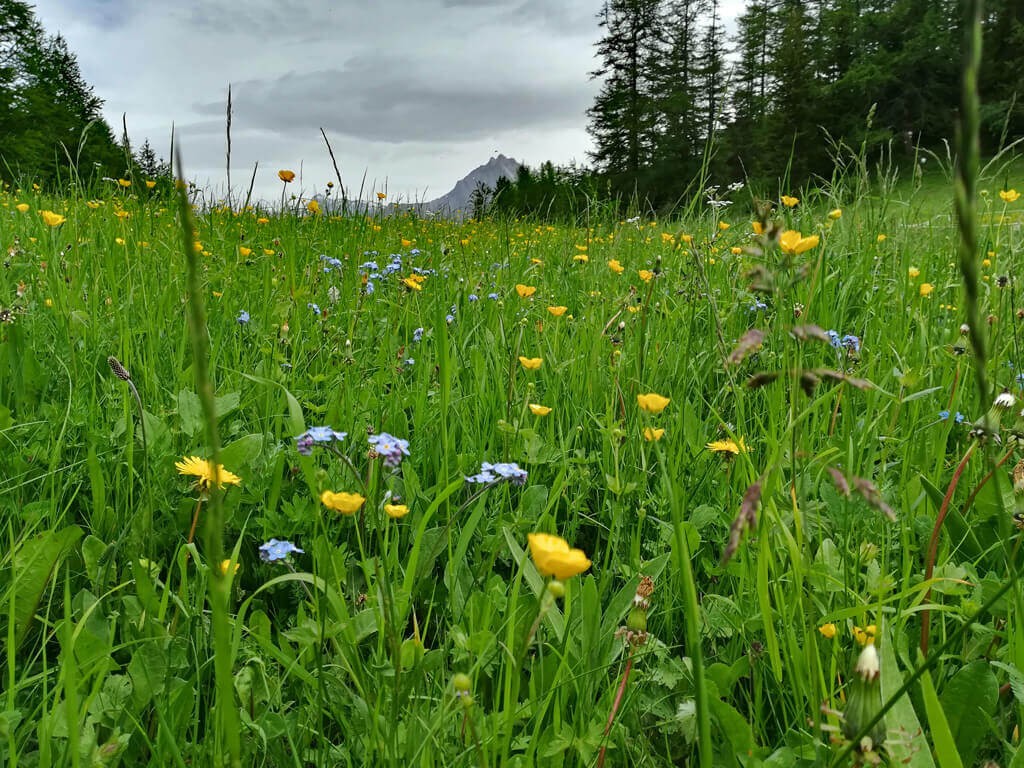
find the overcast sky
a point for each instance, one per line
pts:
(416, 93)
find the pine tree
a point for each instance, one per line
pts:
(623, 119)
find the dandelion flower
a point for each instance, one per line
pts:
(525, 291)
(646, 275)
(926, 289)
(913, 272)
(652, 402)
(793, 243)
(286, 176)
(881, 238)
(553, 556)
(531, 363)
(206, 472)
(345, 503)
(789, 202)
(728, 446)
(539, 410)
(615, 266)
(382, 195)
(313, 207)
(836, 213)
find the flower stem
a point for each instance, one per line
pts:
(615, 705)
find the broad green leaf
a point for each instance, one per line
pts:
(34, 563)
(945, 746)
(969, 700)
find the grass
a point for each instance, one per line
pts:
(432, 639)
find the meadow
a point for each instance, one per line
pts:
(283, 488)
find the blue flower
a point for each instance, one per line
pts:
(943, 415)
(243, 317)
(758, 306)
(391, 448)
(850, 342)
(833, 339)
(414, 252)
(473, 297)
(314, 307)
(492, 473)
(369, 266)
(449, 319)
(492, 296)
(275, 550)
(317, 435)
(410, 361)
(417, 335)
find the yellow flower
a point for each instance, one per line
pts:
(880, 239)
(243, 251)
(49, 302)
(688, 238)
(119, 240)
(557, 311)
(722, 226)
(346, 503)
(646, 275)
(652, 402)
(207, 472)
(836, 213)
(382, 195)
(226, 564)
(124, 182)
(758, 227)
(1009, 195)
(313, 207)
(268, 251)
(926, 289)
(406, 243)
(122, 214)
(23, 207)
(828, 631)
(667, 237)
(553, 557)
(789, 202)
(614, 266)
(865, 636)
(150, 183)
(539, 410)
(94, 204)
(52, 219)
(410, 282)
(793, 243)
(396, 511)
(581, 257)
(652, 435)
(525, 291)
(286, 176)
(262, 220)
(735, 250)
(986, 263)
(531, 363)
(728, 446)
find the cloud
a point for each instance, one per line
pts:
(396, 101)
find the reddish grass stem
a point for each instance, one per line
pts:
(615, 706)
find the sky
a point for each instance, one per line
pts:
(412, 93)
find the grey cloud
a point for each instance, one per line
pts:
(396, 102)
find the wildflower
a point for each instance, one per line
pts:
(313, 207)
(582, 258)
(880, 239)
(317, 436)
(836, 213)
(925, 289)
(758, 227)
(1009, 195)
(1004, 400)
(345, 503)
(851, 342)
(382, 195)
(243, 318)
(722, 226)
(793, 243)
(735, 250)
(244, 252)
(653, 435)
(728, 446)
(865, 636)
(828, 631)
(646, 275)
(396, 511)
(525, 291)
(286, 176)
(472, 298)
(615, 266)
(390, 447)
(417, 335)
(206, 472)
(788, 201)
(406, 243)
(539, 410)
(275, 550)
(52, 219)
(493, 296)
(410, 282)
(493, 473)
(262, 220)
(553, 557)
(23, 207)
(124, 183)
(652, 402)
(225, 565)
(150, 184)
(913, 272)
(557, 311)
(758, 306)
(531, 363)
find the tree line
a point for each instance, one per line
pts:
(774, 100)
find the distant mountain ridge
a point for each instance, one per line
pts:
(459, 198)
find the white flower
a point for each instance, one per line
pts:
(1005, 400)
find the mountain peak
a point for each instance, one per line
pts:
(488, 174)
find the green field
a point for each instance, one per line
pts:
(823, 426)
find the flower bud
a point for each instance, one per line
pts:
(556, 588)
(461, 682)
(865, 700)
